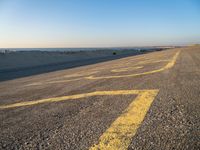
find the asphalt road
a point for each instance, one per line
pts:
(149, 101)
(19, 72)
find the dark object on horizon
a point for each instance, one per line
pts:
(160, 49)
(114, 53)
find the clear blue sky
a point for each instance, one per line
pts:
(98, 23)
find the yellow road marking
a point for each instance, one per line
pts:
(51, 81)
(61, 81)
(126, 69)
(168, 66)
(81, 74)
(118, 136)
(152, 61)
(63, 98)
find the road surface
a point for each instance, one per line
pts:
(149, 101)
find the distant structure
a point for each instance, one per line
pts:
(4, 51)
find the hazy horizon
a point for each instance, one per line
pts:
(96, 24)
(94, 47)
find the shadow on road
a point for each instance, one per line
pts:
(29, 71)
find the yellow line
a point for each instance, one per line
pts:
(152, 61)
(81, 74)
(63, 98)
(119, 135)
(52, 81)
(126, 69)
(106, 77)
(168, 66)
(62, 81)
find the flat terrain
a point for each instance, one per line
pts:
(17, 64)
(149, 101)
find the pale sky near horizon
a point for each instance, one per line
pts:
(98, 23)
